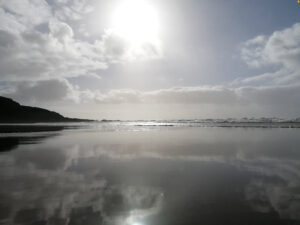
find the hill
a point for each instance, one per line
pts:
(13, 112)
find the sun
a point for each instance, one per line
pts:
(136, 20)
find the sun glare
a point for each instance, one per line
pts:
(136, 20)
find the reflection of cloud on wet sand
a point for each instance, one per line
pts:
(268, 156)
(66, 198)
(283, 197)
(42, 189)
(117, 178)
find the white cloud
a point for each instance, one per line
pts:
(62, 31)
(281, 49)
(16, 15)
(35, 55)
(72, 9)
(252, 51)
(9, 22)
(118, 49)
(215, 95)
(36, 44)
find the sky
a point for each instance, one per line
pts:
(152, 59)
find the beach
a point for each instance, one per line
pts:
(138, 173)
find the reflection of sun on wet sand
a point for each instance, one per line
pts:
(163, 175)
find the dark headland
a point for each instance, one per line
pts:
(13, 112)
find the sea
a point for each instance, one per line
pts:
(166, 172)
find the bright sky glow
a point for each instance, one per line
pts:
(137, 21)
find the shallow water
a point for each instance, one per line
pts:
(132, 174)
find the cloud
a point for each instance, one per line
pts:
(16, 16)
(193, 95)
(72, 9)
(252, 51)
(249, 100)
(280, 49)
(119, 49)
(42, 91)
(34, 55)
(214, 95)
(195, 102)
(37, 41)
(62, 31)
(276, 96)
(211, 101)
(177, 95)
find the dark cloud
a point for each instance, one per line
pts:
(42, 91)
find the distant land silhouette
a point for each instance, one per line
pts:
(13, 112)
